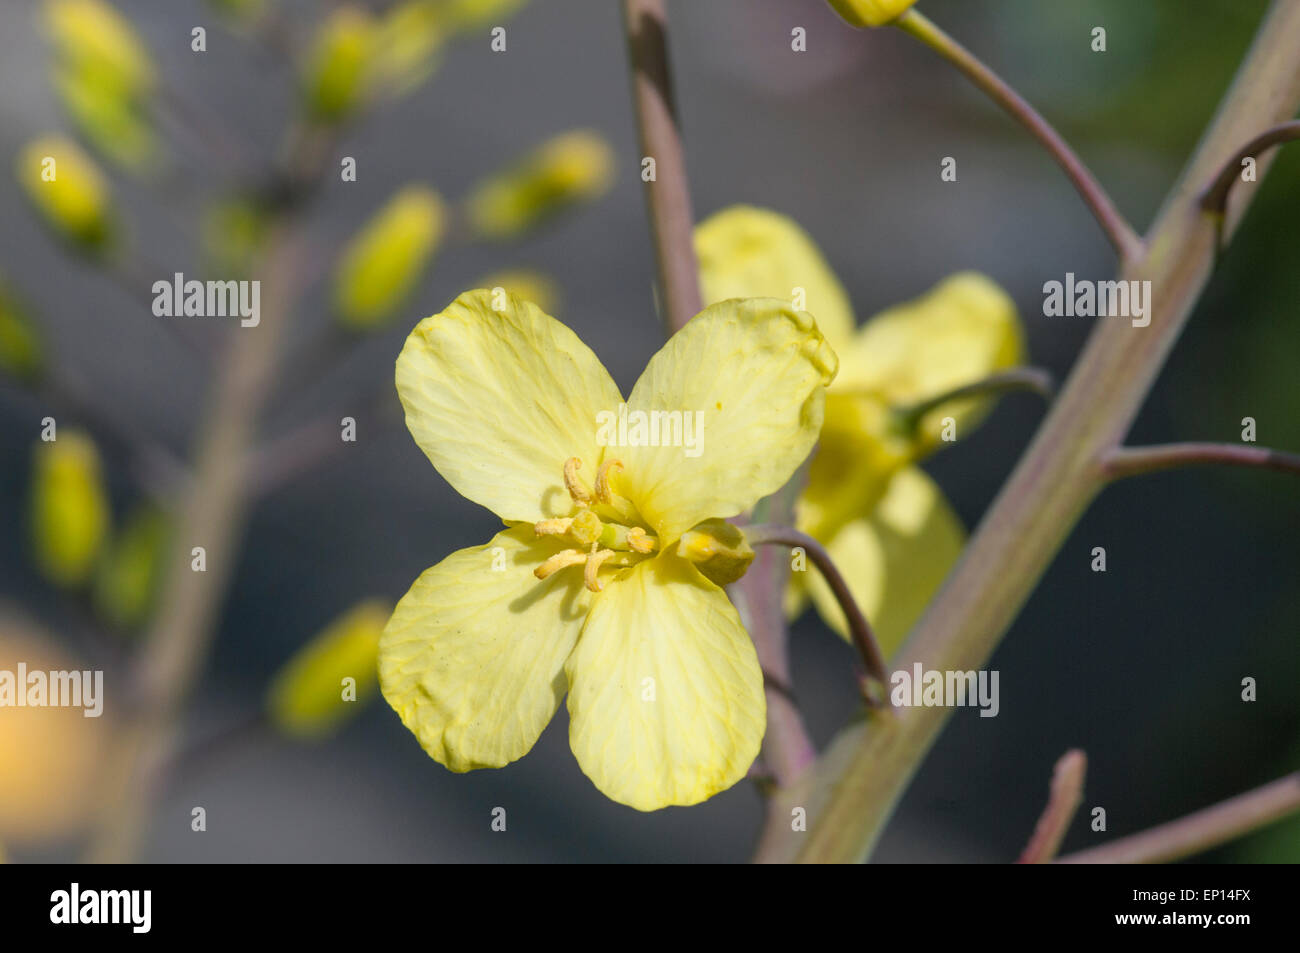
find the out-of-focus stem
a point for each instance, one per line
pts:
(1200, 831)
(668, 196)
(1121, 234)
(1215, 199)
(1062, 802)
(1134, 461)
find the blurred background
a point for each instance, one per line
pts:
(1140, 666)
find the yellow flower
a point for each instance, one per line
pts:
(573, 167)
(870, 12)
(383, 262)
(882, 519)
(69, 507)
(311, 695)
(340, 64)
(68, 190)
(93, 37)
(587, 590)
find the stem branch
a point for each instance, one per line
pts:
(1132, 461)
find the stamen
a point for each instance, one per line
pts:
(555, 527)
(573, 483)
(640, 541)
(593, 566)
(603, 492)
(561, 560)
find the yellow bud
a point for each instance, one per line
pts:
(526, 285)
(409, 43)
(870, 12)
(383, 262)
(331, 676)
(339, 64)
(111, 122)
(232, 233)
(51, 759)
(68, 190)
(20, 347)
(92, 36)
(243, 10)
(573, 167)
(718, 549)
(69, 507)
(128, 573)
(473, 14)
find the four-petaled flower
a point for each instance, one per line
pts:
(602, 588)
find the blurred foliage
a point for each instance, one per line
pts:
(69, 507)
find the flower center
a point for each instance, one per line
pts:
(606, 529)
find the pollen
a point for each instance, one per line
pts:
(603, 492)
(573, 483)
(561, 560)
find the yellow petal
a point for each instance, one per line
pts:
(963, 330)
(339, 64)
(666, 698)
(67, 189)
(385, 260)
(309, 696)
(498, 400)
(858, 453)
(870, 12)
(69, 507)
(573, 167)
(92, 35)
(750, 376)
(747, 252)
(473, 658)
(893, 560)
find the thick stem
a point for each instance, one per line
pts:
(1202, 830)
(1117, 229)
(1134, 461)
(860, 629)
(869, 766)
(667, 193)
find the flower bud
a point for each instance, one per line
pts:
(69, 508)
(112, 123)
(718, 549)
(466, 15)
(331, 676)
(385, 260)
(862, 13)
(129, 572)
(526, 285)
(573, 167)
(409, 44)
(337, 76)
(20, 347)
(68, 190)
(93, 37)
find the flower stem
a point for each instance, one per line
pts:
(1034, 379)
(868, 766)
(1215, 199)
(864, 639)
(1200, 831)
(1133, 461)
(1121, 234)
(668, 197)
(1062, 802)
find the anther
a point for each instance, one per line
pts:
(555, 527)
(639, 541)
(562, 559)
(593, 566)
(603, 492)
(573, 483)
